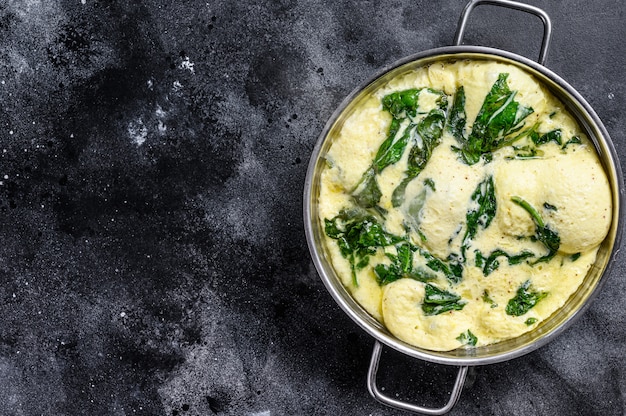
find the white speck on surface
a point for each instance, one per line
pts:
(188, 65)
(264, 413)
(177, 86)
(611, 96)
(150, 84)
(123, 314)
(137, 131)
(161, 127)
(160, 113)
(83, 1)
(6, 176)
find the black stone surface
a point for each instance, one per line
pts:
(152, 250)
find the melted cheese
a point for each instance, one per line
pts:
(566, 184)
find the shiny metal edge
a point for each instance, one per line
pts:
(499, 352)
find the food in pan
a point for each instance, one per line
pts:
(462, 204)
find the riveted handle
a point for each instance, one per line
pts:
(547, 24)
(375, 392)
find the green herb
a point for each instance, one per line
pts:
(499, 117)
(573, 140)
(367, 194)
(391, 150)
(530, 321)
(428, 136)
(467, 338)
(401, 264)
(526, 152)
(452, 269)
(457, 116)
(358, 236)
(491, 263)
(401, 267)
(402, 104)
(485, 197)
(524, 300)
(549, 238)
(430, 183)
(437, 301)
(551, 136)
(575, 256)
(487, 299)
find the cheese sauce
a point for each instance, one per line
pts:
(482, 242)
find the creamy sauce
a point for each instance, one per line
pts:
(564, 182)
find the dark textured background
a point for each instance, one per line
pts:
(152, 251)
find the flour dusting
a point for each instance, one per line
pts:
(187, 64)
(137, 131)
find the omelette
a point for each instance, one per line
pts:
(462, 204)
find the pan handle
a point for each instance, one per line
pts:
(373, 389)
(547, 24)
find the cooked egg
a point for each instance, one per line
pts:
(478, 246)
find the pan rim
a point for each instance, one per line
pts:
(584, 114)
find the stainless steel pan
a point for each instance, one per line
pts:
(555, 324)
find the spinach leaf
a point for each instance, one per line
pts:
(442, 99)
(491, 263)
(394, 128)
(457, 116)
(437, 301)
(402, 104)
(358, 236)
(452, 269)
(401, 267)
(484, 196)
(549, 238)
(429, 131)
(551, 136)
(467, 338)
(367, 193)
(532, 152)
(401, 264)
(487, 299)
(499, 117)
(524, 300)
(526, 152)
(573, 140)
(530, 321)
(391, 150)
